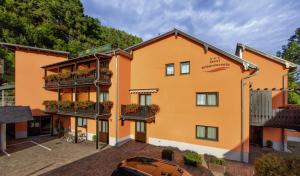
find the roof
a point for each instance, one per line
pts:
(12, 114)
(287, 63)
(207, 46)
(77, 59)
(16, 46)
(7, 87)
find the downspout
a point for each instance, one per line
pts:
(117, 95)
(283, 85)
(242, 111)
(97, 99)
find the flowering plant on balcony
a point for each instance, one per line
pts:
(85, 72)
(65, 75)
(106, 71)
(51, 78)
(66, 104)
(154, 108)
(131, 108)
(83, 105)
(50, 103)
(107, 105)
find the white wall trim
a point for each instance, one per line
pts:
(294, 139)
(201, 149)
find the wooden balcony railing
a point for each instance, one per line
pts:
(78, 78)
(278, 118)
(139, 113)
(89, 109)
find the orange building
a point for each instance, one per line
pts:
(172, 90)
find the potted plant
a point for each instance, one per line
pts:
(85, 72)
(65, 75)
(66, 105)
(167, 154)
(154, 108)
(50, 105)
(131, 108)
(107, 106)
(51, 79)
(215, 164)
(84, 106)
(192, 158)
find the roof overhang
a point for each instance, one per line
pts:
(143, 91)
(282, 61)
(247, 65)
(24, 47)
(13, 114)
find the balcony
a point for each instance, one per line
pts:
(80, 77)
(80, 109)
(139, 113)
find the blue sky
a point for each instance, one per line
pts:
(265, 24)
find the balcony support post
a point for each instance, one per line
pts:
(97, 133)
(97, 100)
(76, 130)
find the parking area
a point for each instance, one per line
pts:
(34, 156)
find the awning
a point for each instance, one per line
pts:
(12, 114)
(143, 91)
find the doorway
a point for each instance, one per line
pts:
(40, 125)
(256, 136)
(103, 131)
(140, 131)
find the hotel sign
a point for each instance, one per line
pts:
(215, 64)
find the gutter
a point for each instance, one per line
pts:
(117, 95)
(97, 100)
(242, 111)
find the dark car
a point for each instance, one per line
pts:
(143, 166)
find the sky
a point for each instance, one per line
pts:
(264, 24)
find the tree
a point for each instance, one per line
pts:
(291, 52)
(54, 24)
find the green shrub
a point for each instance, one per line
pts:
(50, 78)
(192, 158)
(65, 75)
(293, 165)
(269, 144)
(214, 160)
(94, 138)
(270, 165)
(167, 153)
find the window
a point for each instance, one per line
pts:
(140, 127)
(103, 126)
(207, 99)
(81, 122)
(145, 99)
(169, 69)
(207, 132)
(185, 68)
(103, 97)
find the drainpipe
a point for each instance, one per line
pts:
(242, 111)
(117, 95)
(97, 99)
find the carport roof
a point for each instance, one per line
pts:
(12, 114)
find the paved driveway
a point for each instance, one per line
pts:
(38, 155)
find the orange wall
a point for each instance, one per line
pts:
(268, 69)
(28, 77)
(176, 97)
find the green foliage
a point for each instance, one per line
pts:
(66, 104)
(192, 158)
(154, 108)
(291, 52)
(85, 72)
(50, 103)
(94, 138)
(214, 160)
(54, 24)
(51, 78)
(107, 105)
(131, 108)
(83, 104)
(277, 165)
(65, 75)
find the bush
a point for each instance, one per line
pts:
(65, 75)
(94, 137)
(51, 78)
(214, 160)
(83, 104)
(270, 165)
(269, 144)
(192, 158)
(66, 104)
(167, 153)
(50, 103)
(84, 72)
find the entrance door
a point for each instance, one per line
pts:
(10, 131)
(34, 127)
(103, 131)
(140, 131)
(256, 135)
(45, 125)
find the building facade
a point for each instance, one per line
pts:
(172, 90)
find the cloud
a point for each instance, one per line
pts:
(264, 24)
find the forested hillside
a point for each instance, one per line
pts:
(54, 24)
